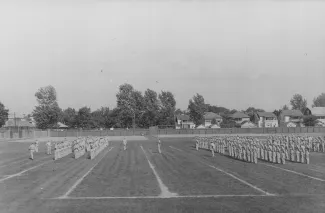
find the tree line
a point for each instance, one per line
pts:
(141, 110)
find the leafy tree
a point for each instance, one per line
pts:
(298, 103)
(69, 117)
(285, 107)
(130, 102)
(319, 101)
(196, 108)
(180, 112)
(150, 115)
(48, 112)
(101, 118)
(216, 109)
(310, 120)
(227, 122)
(250, 111)
(3, 114)
(214, 121)
(46, 96)
(167, 108)
(47, 116)
(83, 118)
(277, 112)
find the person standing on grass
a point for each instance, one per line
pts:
(124, 143)
(159, 145)
(307, 155)
(212, 147)
(31, 151)
(36, 146)
(48, 145)
(197, 145)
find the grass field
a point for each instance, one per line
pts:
(140, 179)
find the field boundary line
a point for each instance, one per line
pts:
(237, 178)
(163, 188)
(80, 179)
(298, 173)
(160, 197)
(22, 172)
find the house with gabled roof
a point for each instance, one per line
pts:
(209, 116)
(240, 117)
(292, 117)
(266, 119)
(184, 122)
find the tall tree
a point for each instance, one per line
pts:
(83, 118)
(101, 118)
(3, 114)
(216, 109)
(167, 108)
(298, 103)
(150, 115)
(126, 105)
(285, 107)
(196, 108)
(48, 112)
(69, 117)
(319, 101)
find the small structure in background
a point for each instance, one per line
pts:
(239, 117)
(214, 126)
(266, 119)
(60, 126)
(289, 118)
(184, 122)
(19, 123)
(247, 124)
(200, 127)
(209, 117)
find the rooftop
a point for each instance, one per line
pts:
(211, 115)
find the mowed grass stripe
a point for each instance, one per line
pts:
(125, 174)
(186, 176)
(273, 180)
(81, 179)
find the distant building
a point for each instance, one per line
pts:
(318, 112)
(209, 116)
(18, 124)
(184, 122)
(60, 125)
(266, 119)
(291, 118)
(214, 126)
(240, 117)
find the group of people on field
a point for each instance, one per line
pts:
(76, 145)
(275, 148)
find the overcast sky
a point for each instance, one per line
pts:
(235, 53)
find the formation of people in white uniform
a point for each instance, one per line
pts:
(76, 145)
(275, 149)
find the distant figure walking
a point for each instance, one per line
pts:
(48, 145)
(36, 146)
(31, 151)
(159, 145)
(124, 143)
